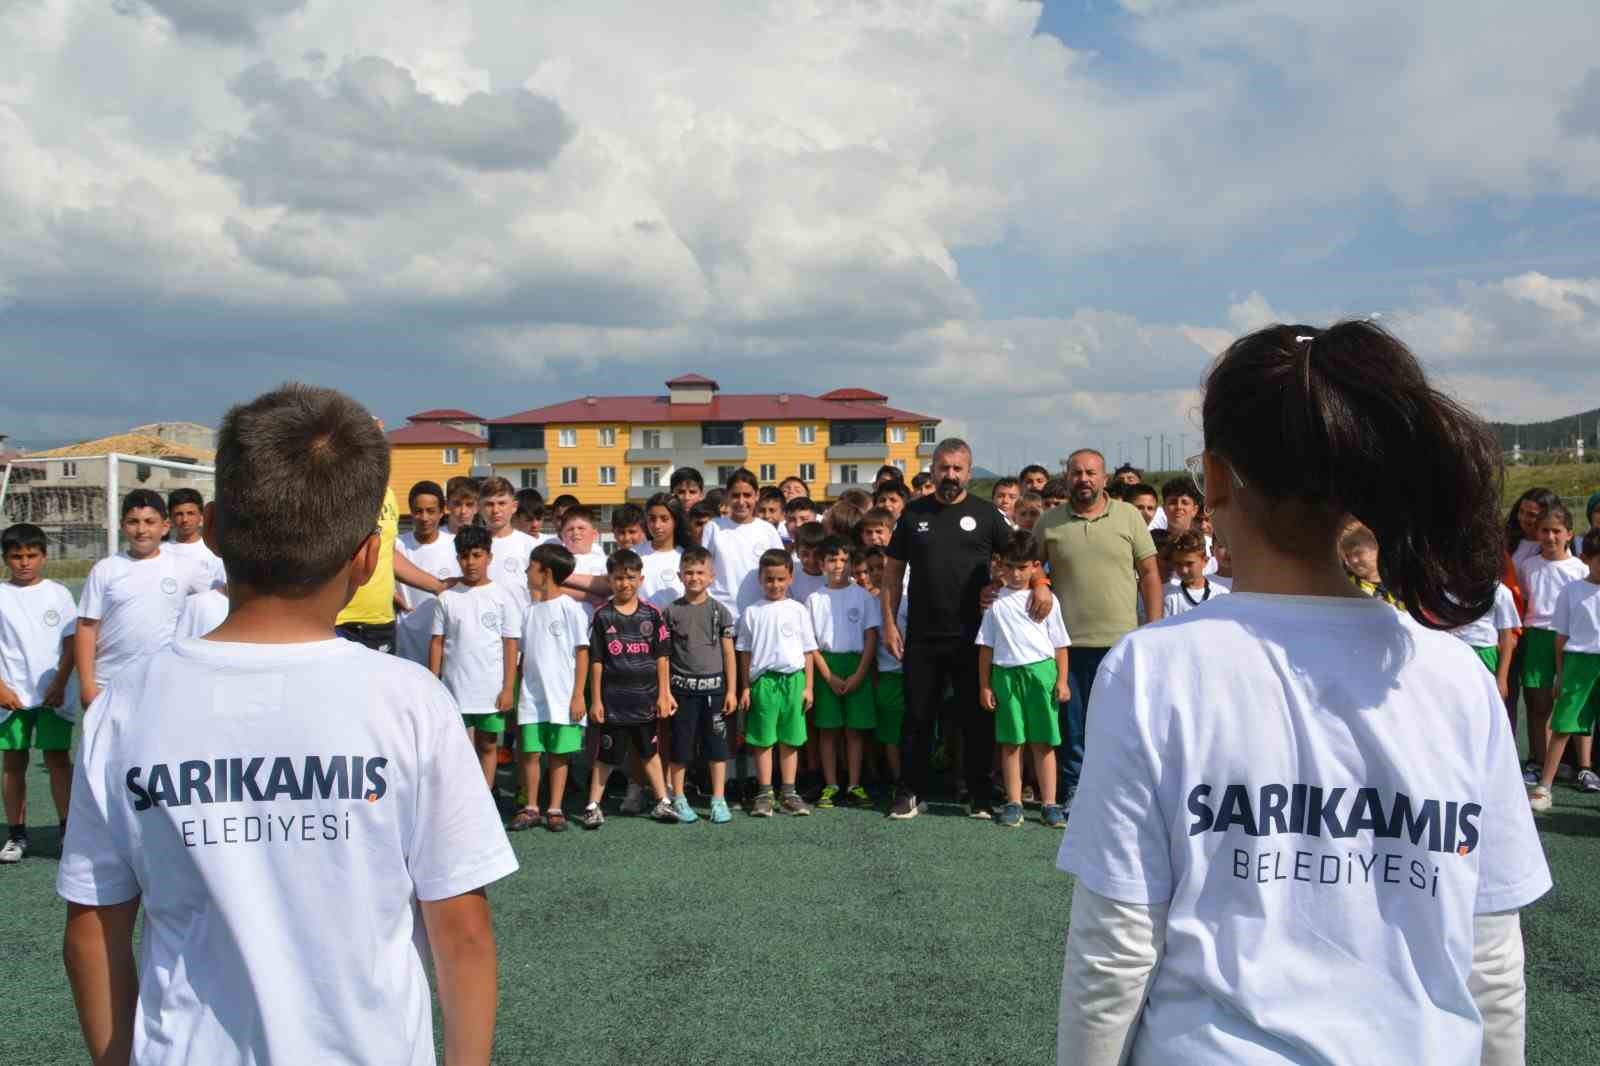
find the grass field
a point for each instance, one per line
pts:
(841, 938)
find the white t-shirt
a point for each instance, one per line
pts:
(1016, 638)
(1158, 520)
(589, 564)
(1542, 581)
(552, 633)
(1176, 602)
(197, 552)
(1577, 617)
(414, 628)
(281, 808)
(661, 584)
(777, 634)
(1325, 794)
(840, 618)
(33, 623)
(137, 602)
(1485, 632)
(805, 584)
(202, 612)
(1525, 550)
(474, 623)
(508, 565)
(736, 560)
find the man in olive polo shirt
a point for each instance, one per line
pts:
(1101, 560)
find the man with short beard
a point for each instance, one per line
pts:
(947, 539)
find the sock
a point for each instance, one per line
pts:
(17, 832)
(789, 790)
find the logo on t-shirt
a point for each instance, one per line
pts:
(169, 585)
(555, 628)
(968, 523)
(443, 574)
(922, 525)
(854, 614)
(52, 617)
(511, 566)
(490, 619)
(787, 629)
(614, 647)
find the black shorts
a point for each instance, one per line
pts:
(376, 637)
(614, 741)
(699, 725)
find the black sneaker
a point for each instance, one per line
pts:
(905, 805)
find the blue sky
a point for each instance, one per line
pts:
(1037, 221)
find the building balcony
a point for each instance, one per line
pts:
(517, 456)
(640, 493)
(713, 454)
(835, 489)
(651, 455)
(925, 451)
(874, 452)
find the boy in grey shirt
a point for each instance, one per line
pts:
(703, 672)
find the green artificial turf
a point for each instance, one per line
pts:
(839, 938)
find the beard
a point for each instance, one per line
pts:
(950, 489)
(1084, 493)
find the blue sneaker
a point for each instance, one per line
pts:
(719, 811)
(1052, 817)
(1010, 816)
(685, 813)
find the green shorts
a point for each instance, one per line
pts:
(889, 700)
(551, 738)
(486, 723)
(1538, 658)
(833, 711)
(777, 711)
(1490, 657)
(35, 727)
(1026, 711)
(1579, 702)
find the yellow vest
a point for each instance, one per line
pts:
(373, 603)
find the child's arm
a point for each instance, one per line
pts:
(1502, 676)
(586, 585)
(98, 948)
(985, 668)
(83, 642)
(869, 656)
(744, 680)
(730, 672)
(810, 694)
(666, 706)
(56, 694)
(816, 664)
(508, 682)
(461, 940)
(1063, 679)
(9, 700)
(597, 705)
(1561, 654)
(436, 655)
(581, 663)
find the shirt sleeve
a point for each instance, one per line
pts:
(69, 613)
(439, 612)
(986, 630)
(1561, 616)
(724, 619)
(510, 618)
(745, 638)
(597, 640)
(1055, 627)
(1144, 545)
(708, 537)
(1505, 610)
(95, 870)
(898, 548)
(457, 843)
(661, 634)
(872, 616)
(91, 602)
(808, 634)
(1117, 842)
(1512, 871)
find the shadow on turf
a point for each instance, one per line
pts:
(1570, 823)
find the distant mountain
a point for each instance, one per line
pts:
(1545, 436)
(983, 473)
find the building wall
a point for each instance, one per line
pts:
(907, 452)
(588, 455)
(788, 453)
(411, 463)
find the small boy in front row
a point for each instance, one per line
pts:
(1022, 678)
(1576, 622)
(37, 618)
(1185, 556)
(775, 677)
(704, 668)
(845, 621)
(629, 685)
(555, 670)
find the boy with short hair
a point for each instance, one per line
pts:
(701, 515)
(529, 517)
(1056, 492)
(1004, 495)
(37, 617)
(589, 583)
(629, 685)
(797, 512)
(775, 643)
(1023, 681)
(269, 791)
(628, 526)
(1358, 547)
(1033, 478)
(1186, 557)
(1029, 509)
(433, 551)
(688, 486)
(922, 484)
(810, 578)
(1145, 500)
(704, 670)
(510, 547)
(131, 601)
(461, 501)
(877, 527)
(892, 497)
(186, 512)
(794, 489)
(555, 671)
(769, 507)
(861, 567)
(1181, 501)
(473, 650)
(846, 621)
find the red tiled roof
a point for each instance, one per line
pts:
(433, 433)
(727, 407)
(687, 380)
(445, 414)
(854, 395)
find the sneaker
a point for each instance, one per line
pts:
(1029, 795)
(592, 818)
(1052, 817)
(1530, 774)
(905, 805)
(793, 804)
(858, 796)
(685, 813)
(1588, 780)
(719, 811)
(1010, 816)
(14, 849)
(555, 820)
(1564, 772)
(527, 818)
(761, 806)
(1539, 798)
(634, 802)
(825, 800)
(981, 811)
(665, 811)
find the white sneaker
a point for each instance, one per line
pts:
(1530, 774)
(1564, 772)
(1539, 798)
(13, 850)
(1588, 781)
(634, 801)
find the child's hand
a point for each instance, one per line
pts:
(56, 694)
(576, 709)
(597, 714)
(8, 699)
(502, 702)
(808, 698)
(730, 703)
(853, 683)
(1063, 690)
(88, 692)
(986, 699)
(1504, 687)
(990, 593)
(838, 684)
(666, 706)
(744, 700)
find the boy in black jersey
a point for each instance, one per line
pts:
(629, 685)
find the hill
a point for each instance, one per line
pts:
(1546, 436)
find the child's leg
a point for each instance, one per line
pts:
(15, 785)
(530, 779)
(651, 768)
(59, 764)
(788, 764)
(1583, 750)
(1011, 771)
(718, 771)
(854, 744)
(891, 754)
(487, 741)
(1044, 772)
(677, 772)
(1552, 758)
(1539, 702)
(597, 781)
(828, 749)
(558, 780)
(764, 767)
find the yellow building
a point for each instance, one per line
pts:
(435, 446)
(607, 450)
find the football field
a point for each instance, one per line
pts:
(839, 938)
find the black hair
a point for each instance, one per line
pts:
(798, 504)
(1541, 496)
(555, 558)
(1117, 490)
(742, 476)
(1058, 487)
(1032, 468)
(1128, 468)
(771, 492)
(1318, 424)
(706, 508)
(530, 510)
(809, 535)
(23, 535)
(860, 556)
(1589, 546)
(425, 488)
(177, 497)
(1021, 547)
(1182, 485)
(530, 496)
(686, 475)
(776, 557)
(832, 545)
(680, 527)
(1004, 483)
(629, 514)
(893, 471)
(473, 537)
(714, 498)
(920, 480)
(1559, 512)
(144, 498)
(623, 559)
(578, 513)
(1143, 488)
(694, 554)
(893, 488)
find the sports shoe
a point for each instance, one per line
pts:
(1564, 772)
(592, 818)
(634, 802)
(685, 813)
(1052, 817)
(664, 811)
(1530, 773)
(792, 804)
(825, 800)
(981, 811)
(1588, 781)
(555, 820)
(905, 805)
(527, 818)
(1010, 816)
(13, 849)
(1029, 795)
(761, 806)
(719, 811)
(1539, 798)
(858, 796)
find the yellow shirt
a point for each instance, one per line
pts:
(373, 603)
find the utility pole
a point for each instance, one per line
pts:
(1164, 452)
(1147, 452)
(1183, 450)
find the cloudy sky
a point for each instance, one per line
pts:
(1038, 221)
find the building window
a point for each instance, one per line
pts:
(897, 434)
(849, 474)
(856, 432)
(808, 434)
(767, 434)
(808, 472)
(530, 477)
(608, 437)
(569, 475)
(608, 475)
(567, 438)
(69, 469)
(927, 435)
(724, 473)
(900, 465)
(516, 438)
(650, 438)
(651, 477)
(721, 434)
(769, 472)
(452, 456)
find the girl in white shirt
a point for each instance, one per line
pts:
(1542, 577)
(1522, 541)
(736, 542)
(1301, 834)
